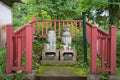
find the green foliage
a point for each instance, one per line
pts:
(20, 76)
(22, 12)
(77, 43)
(5, 77)
(118, 48)
(89, 4)
(60, 9)
(2, 60)
(118, 71)
(38, 46)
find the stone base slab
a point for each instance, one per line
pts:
(57, 63)
(45, 57)
(62, 57)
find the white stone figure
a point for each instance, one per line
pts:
(51, 39)
(66, 37)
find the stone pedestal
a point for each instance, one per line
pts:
(68, 55)
(50, 55)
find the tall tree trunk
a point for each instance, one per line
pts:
(114, 13)
(39, 10)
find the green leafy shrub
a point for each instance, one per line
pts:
(2, 60)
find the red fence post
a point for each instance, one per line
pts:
(113, 50)
(29, 36)
(9, 49)
(19, 51)
(93, 54)
(33, 24)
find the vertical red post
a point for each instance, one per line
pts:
(75, 29)
(19, 51)
(113, 50)
(59, 29)
(46, 28)
(93, 54)
(42, 29)
(15, 50)
(71, 28)
(33, 24)
(38, 27)
(29, 48)
(103, 53)
(80, 25)
(63, 24)
(9, 49)
(50, 23)
(55, 26)
(108, 49)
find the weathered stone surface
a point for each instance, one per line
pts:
(50, 57)
(57, 63)
(74, 54)
(93, 77)
(113, 77)
(30, 76)
(61, 78)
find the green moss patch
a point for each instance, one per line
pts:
(61, 71)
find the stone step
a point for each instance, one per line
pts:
(60, 78)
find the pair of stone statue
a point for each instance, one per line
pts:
(66, 39)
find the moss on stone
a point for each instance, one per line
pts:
(62, 70)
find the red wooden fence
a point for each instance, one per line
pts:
(102, 46)
(42, 27)
(19, 43)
